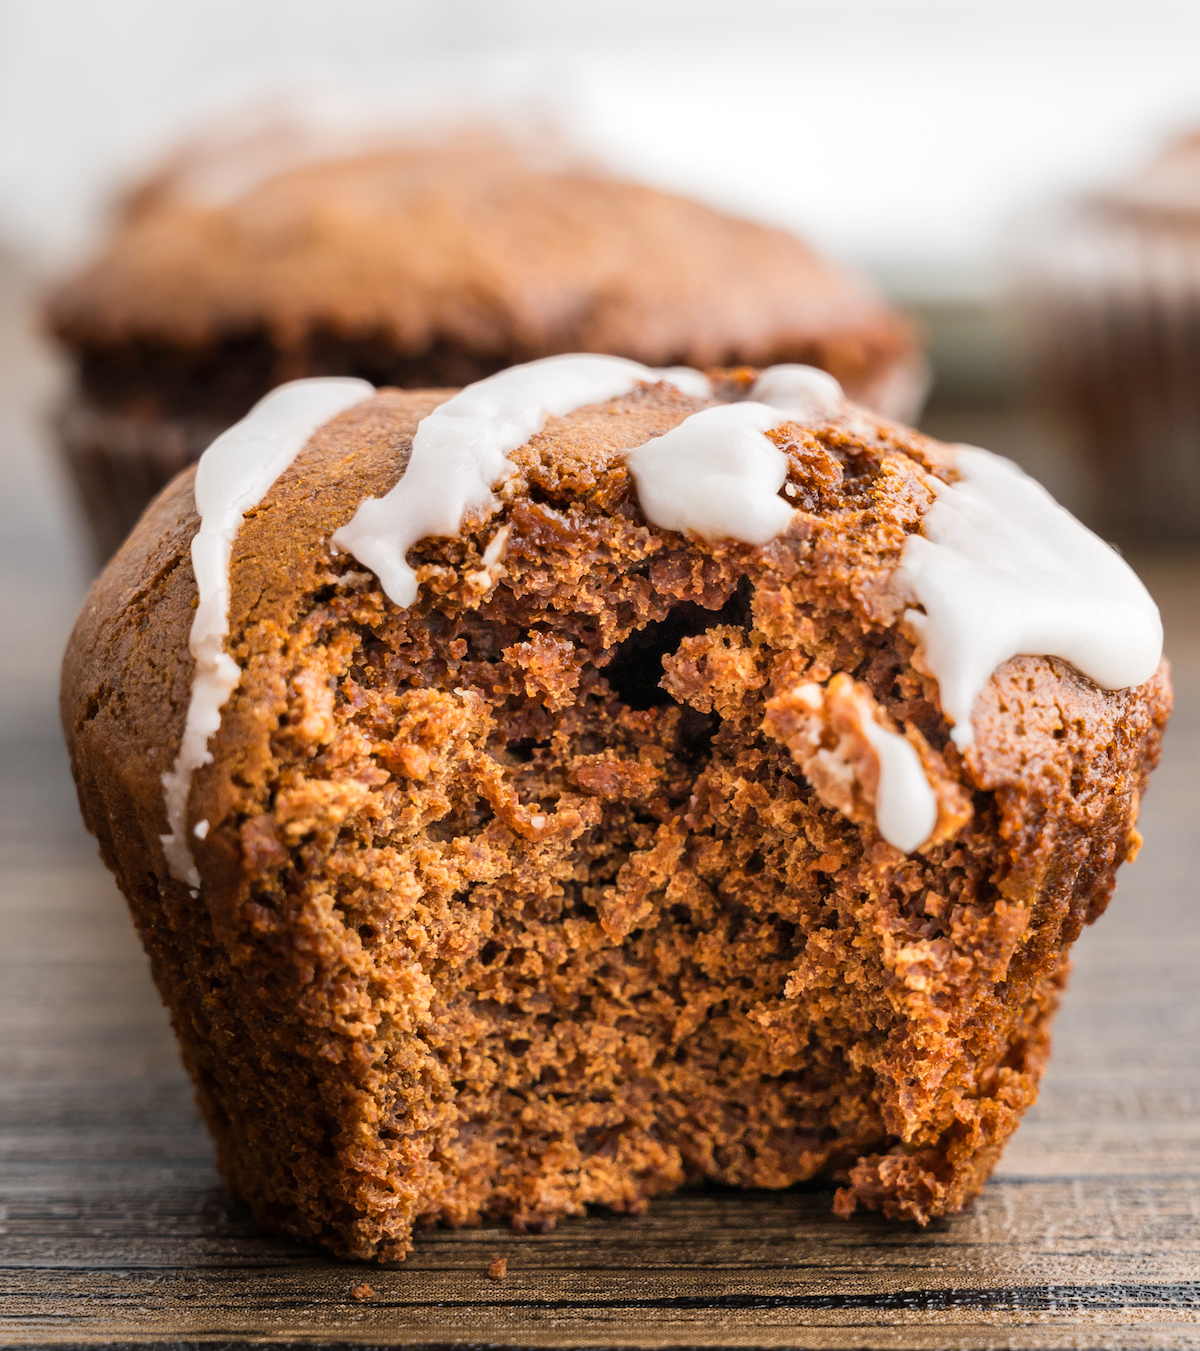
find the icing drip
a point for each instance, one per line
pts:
(234, 474)
(717, 474)
(854, 763)
(459, 453)
(803, 391)
(1001, 570)
(906, 807)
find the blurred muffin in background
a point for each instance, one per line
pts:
(240, 265)
(1111, 299)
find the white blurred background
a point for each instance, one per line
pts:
(908, 137)
(904, 135)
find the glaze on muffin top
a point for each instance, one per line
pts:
(996, 570)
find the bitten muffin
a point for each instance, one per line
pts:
(1112, 309)
(565, 856)
(239, 266)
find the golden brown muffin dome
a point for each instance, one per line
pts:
(244, 263)
(413, 254)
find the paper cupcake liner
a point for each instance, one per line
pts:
(1112, 302)
(119, 463)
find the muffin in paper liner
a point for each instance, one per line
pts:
(418, 264)
(1110, 294)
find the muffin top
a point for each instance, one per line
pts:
(469, 246)
(578, 501)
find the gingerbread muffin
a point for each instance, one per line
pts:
(241, 265)
(1112, 309)
(606, 778)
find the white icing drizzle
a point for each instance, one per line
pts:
(803, 391)
(460, 452)
(234, 474)
(906, 807)
(717, 474)
(1001, 570)
(495, 549)
(487, 573)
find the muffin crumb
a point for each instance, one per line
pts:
(362, 1291)
(498, 1268)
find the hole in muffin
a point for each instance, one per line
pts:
(787, 932)
(635, 667)
(694, 738)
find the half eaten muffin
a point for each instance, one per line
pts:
(592, 782)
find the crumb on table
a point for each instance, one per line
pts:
(362, 1291)
(498, 1268)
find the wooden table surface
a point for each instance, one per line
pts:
(114, 1229)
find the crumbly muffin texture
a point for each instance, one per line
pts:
(522, 899)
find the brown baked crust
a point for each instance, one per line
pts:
(404, 1000)
(417, 266)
